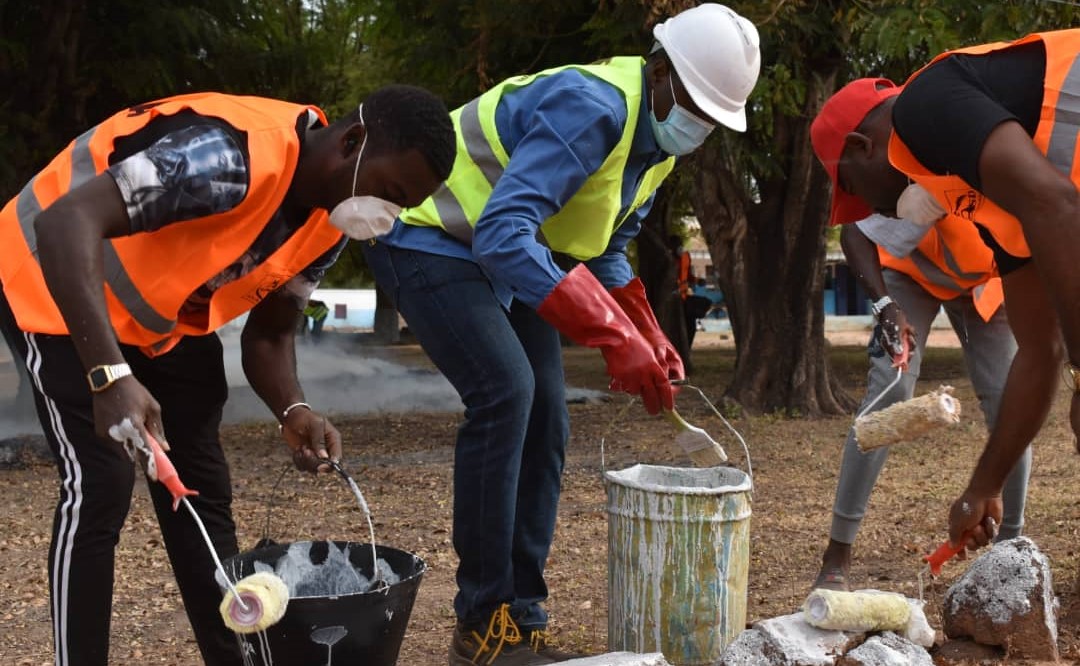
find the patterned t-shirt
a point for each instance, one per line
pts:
(199, 167)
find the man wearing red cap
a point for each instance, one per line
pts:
(987, 134)
(911, 272)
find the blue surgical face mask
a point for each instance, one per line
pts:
(681, 133)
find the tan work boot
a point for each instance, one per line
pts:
(539, 643)
(500, 644)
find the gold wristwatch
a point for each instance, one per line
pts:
(1074, 372)
(102, 377)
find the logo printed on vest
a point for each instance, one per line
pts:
(964, 202)
(267, 286)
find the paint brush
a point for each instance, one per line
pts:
(703, 450)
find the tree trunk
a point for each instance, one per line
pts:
(387, 330)
(769, 255)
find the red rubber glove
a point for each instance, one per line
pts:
(631, 298)
(584, 311)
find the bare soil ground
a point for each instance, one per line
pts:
(403, 463)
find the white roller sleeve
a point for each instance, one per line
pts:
(868, 610)
(907, 420)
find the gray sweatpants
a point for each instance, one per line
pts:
(988, 350)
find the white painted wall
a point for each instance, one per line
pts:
(359, 309)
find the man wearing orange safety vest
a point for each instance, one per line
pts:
(122, 257)
(911, 272)
(989, 134)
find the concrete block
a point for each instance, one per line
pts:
(804, 644)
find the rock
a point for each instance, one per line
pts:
(888, 649)
(787, 641)
(964, 652)
(748, 649)
(1006, 598)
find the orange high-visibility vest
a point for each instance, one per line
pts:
(1058, 141)
(952, 260)
(149, 276)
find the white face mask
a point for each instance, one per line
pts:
(363, 217)
(919, 206)
(681, 133)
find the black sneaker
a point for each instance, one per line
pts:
(499, 644)
(540, 643)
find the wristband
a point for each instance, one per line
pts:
(288, 410)
(877, 306)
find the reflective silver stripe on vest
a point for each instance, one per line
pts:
(954, 266)
(930, 270)
(125, 290)
(452, 215)
(1062, 147)
(27, 208)
(450, 211)
(477, 144)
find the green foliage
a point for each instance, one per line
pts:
(74, 63)
(899, 37)
(350, 271)
(458, 49)
(69, 63)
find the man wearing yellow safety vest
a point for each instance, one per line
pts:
(988, 134)
(911, 272)
(122, 257)
(562, 162)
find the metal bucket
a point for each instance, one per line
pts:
(363, 629)
(678, 560)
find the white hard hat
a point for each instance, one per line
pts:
(717, 56)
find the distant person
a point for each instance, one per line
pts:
(122, 257)
(696, 306)
(693, 307)
(685, 272)
(316, 312)
(564, 162)
(987, 133)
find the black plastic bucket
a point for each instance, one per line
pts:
(363, 629)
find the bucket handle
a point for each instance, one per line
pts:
(746, 449)
(686, 384)
(340, 470)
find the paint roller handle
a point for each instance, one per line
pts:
(945, 552)
(901, 360)
(166, 473)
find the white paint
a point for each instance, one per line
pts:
(127, 434)
(802, 643)
(621, 659)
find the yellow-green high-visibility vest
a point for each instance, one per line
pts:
(585, 224)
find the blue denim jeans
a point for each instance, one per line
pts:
(508, 461)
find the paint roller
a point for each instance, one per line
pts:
(868, 610)
(255, 602)
(907, 420)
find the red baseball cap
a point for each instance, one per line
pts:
(839, 117)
